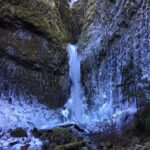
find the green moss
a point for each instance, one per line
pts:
(63, 136)
(42, 16)
(60, 138)
(52, 3)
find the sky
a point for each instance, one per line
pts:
(72, 1)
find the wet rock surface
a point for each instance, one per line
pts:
(33, 56)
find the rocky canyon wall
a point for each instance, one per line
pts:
(33, 56)
(114, 44)
(116, 52)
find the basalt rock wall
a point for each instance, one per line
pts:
(33, 56)
(116, 52)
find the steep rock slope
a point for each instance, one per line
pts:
(33, 58)
(116, 52)
(78, 11)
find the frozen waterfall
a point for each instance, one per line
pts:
(74, 106)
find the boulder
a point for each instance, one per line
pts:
(61, 138)
(18, 133)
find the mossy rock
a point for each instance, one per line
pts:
(18, 133)
(43, 16)
(58, 135)
(61, 138)
(48, 146)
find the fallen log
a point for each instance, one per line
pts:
(75, 146)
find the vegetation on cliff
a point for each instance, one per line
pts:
(41, 15)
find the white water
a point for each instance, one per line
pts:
(74, 106)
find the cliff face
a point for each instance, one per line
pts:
(116, 51)
(33, 58)
(114, 43)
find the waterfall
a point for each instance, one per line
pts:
(74, 107)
